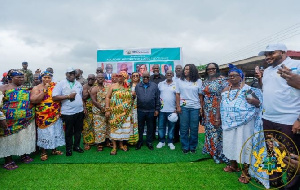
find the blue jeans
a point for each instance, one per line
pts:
(162, 121)
(189, 124)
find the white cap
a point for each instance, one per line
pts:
(70, 69)
(173, 117)
(273, 47)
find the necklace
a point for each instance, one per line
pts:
(236, 95)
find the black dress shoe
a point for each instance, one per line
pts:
(150, 146)
(78, 149)
(138, 146)
(69, 153)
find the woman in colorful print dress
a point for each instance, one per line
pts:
(211, 98)
(50, 126)
(118, 108)
(17, 131)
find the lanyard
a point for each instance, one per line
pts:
(71, 84)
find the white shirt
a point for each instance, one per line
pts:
(281, 102)
(64, 88)
(167, 96)
(189, 93)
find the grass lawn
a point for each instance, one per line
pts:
(142, 169)
(198, 175)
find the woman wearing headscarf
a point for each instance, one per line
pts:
(211, 98)
(17, 129)
(47, 116)
(118, 108)
(241, 122)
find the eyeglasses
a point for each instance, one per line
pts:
(211, 69)
(135, 75)
(146, 77)
(233, 76)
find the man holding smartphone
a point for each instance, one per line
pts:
(281, 106)
(69, 92)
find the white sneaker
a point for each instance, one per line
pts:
(171, 145)
(160, 145)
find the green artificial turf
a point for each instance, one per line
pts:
(142, 169)
(193, 175)
(144, 155)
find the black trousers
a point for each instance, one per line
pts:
(292, 143)
(148, 118)
(74, 126)
(154, 126)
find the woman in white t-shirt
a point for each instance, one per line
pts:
(188, 106)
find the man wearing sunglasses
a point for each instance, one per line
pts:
(281, 103)
(148, 106)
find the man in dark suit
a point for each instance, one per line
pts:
(108, 71)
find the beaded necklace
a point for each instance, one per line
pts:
(236, 95)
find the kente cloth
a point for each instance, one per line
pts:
(2, 116)
(16, 108)
(88, 130)
(134, 133)
(238, 114)
(47, 111)
(121, 112)
(213, 145)
(101, 125)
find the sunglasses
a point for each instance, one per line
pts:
(135, 75)
(146, 77)
(211, 69)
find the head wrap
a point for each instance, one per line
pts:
(46, 73)
(233, 68)
(14, 72)
(125, 75)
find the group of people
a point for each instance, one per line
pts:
(114, 114)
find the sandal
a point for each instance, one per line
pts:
(244, 179)
(44, 156)
(113, 151)
(10, 166)
(26, 159)
(229, 168)
(124, 148)
(99, 148)
(87, 147)
(57, 152)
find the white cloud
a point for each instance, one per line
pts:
(68, 33)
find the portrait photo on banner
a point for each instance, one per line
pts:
(124, 66)
(141, 67)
